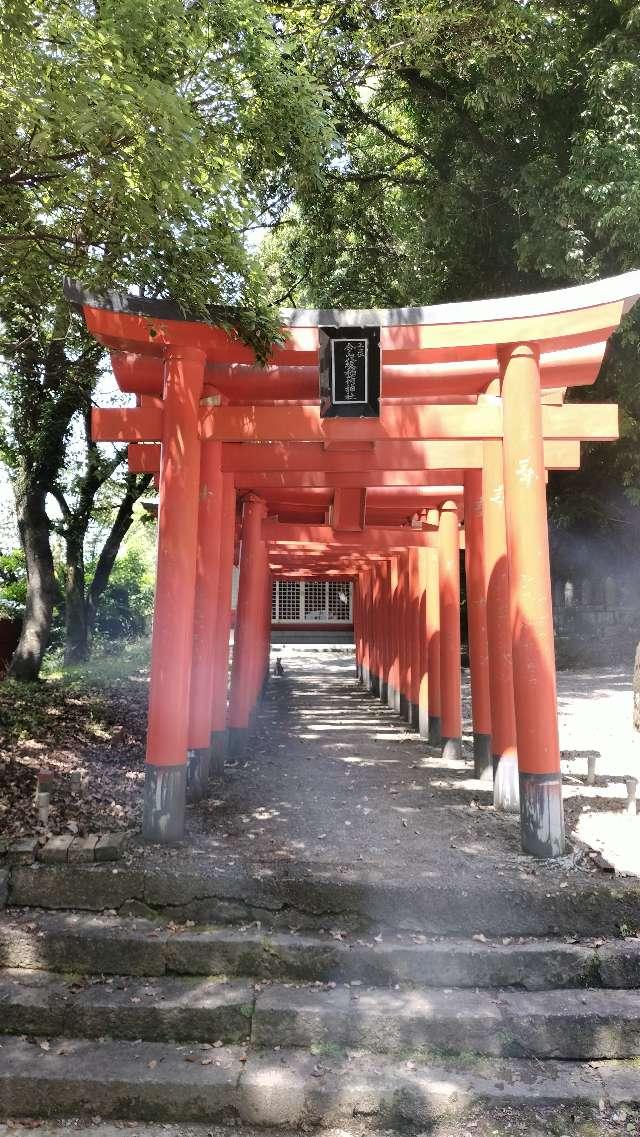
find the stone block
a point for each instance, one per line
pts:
(56, 850)
(129, 1081)
(619, 963)
(82, 849)
(23, 851)
(83, 944)
(90, 887)
(110, 846)
(4, 887)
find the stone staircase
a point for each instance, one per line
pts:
(149, 1020)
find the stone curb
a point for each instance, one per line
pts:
(65, 848)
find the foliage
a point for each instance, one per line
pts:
(127, 602)
(139, 142)
(483, 148)
(13, 583)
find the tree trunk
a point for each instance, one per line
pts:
(135, 487)
(42, 588)
(76, 629)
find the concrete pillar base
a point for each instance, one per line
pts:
(435, 730)
(218, 752)
(482, 758)
(423, 722)
(365, 676)
(403, 705)
(238, 737)
(374, 684)
(164, 802)
(451, 748)
(414, 715)
(384, 691)
(391, 695)
(198, 763)
(506, 786)
(541, 814)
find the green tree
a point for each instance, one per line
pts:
(484, 147)
(140, 140)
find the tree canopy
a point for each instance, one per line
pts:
(140, 140)
(483, 148)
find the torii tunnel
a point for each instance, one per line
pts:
(471, 415)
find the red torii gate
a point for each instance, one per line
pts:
(472, 415)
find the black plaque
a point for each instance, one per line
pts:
(349, 372)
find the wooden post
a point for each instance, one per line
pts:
(423, 634)
(433, 636)
(357, 626)
(220, 670)
(449, 562)
(415, 630)
(506, 793)
(477, 625)
(204, 620)
(366, 628)
(534, 676)
(394, 681)
(247, 630)
(171, 644)
(403, 633)
(385, 651)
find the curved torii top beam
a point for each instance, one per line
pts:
(442, 350)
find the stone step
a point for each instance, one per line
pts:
(201, 1010)
(98, 944)
(569, 1024)
(312, 896)
(169, 1083)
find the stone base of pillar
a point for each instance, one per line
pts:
(364, 676)
(541, 814)
(506, 785)
(414, 715)
(198, 766)
(451, 748)
(482, 757)
(435, 730)
(391, 695)
(238, 737)
(218, 752)
(384, 691)
(374, 684)
(164, 801)
(403, 705)
(423, 722)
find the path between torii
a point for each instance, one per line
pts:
(334, 778)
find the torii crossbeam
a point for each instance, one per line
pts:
(470, 417)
